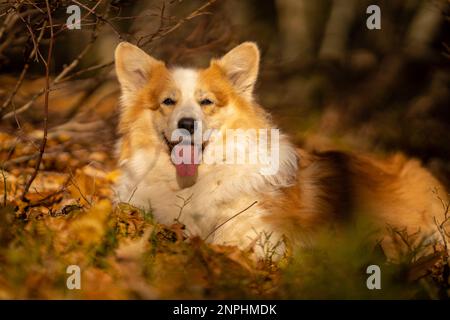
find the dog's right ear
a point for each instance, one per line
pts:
(133, 66)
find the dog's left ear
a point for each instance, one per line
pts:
(241, 66)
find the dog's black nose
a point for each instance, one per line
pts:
(188, 124)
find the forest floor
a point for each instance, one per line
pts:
(69, 219)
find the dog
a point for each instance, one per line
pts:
(264, 206)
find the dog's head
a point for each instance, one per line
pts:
(167, 103)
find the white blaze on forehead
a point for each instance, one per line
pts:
(187, 106)
(186, 82)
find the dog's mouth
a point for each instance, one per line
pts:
(187, 156)
(171, 144)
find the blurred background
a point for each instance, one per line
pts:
(327, 79)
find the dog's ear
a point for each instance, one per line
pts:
(133, 66)
(241, 66)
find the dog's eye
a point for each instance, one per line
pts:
(169, 102)
(205, 102)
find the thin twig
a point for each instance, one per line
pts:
(47, 91)
(185, 203)
(57, 80)
(51, 195)
(442, 224)
(64, 26)
(10, 19)
(5, 195)
(220, 225)
(88, 69)
(64, 74)
(99, 17)
(24, 70)
(49, 152)
(72, 180)
(160, 34)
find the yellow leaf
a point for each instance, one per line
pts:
(113, 176)
(91, 226)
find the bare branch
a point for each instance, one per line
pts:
(24, 70)
(162, 33)
(47, 91)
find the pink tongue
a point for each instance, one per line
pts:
(188, 169)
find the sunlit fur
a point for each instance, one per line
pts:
(311, 191)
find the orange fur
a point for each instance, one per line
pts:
(395, 194)
(311, 192)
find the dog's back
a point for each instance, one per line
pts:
(397, 195)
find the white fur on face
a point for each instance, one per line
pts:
(187, 106)
(186, 81)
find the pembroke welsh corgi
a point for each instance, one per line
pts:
(197, 149)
